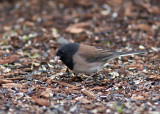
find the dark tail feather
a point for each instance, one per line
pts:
(131, 53)
(121, 54)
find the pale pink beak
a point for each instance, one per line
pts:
(57, 58)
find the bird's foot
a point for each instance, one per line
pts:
(92, 75)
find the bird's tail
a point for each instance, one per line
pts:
(121, 54)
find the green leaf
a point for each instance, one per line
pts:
(24, 28)
(27, 54)
(106, 43)
(3, 42)
(120, 109)
(35, 55)
(27, 38)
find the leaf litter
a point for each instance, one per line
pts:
(31, 32)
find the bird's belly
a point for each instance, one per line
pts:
(87, 68)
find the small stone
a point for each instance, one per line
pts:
(73, 108)
(45, 85)
(149, 93)
(141, 47)
(13, 88)
(134, 87)
(68, 98)
(131, 82)
(155, 99)
(115, 14)
(116, 88)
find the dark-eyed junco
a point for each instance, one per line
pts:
(87, 59)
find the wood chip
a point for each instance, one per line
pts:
(83, 100)
(16, 78)
(89, 94)
(77, 28)
(46, 93)
(3, 81)
(154, 77)
(41, 101)
(96, 88)
(138, 98)
(145, 27)
(129, 10)
(10, 85)
(151, 9)
(9, 59)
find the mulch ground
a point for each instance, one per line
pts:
(32, 30)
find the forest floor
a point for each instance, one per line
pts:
(32, 30)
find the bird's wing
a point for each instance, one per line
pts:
(92, 54)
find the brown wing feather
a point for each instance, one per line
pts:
(92, 54)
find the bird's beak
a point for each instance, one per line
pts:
(57, 58)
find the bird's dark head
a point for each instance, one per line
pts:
(65, 53)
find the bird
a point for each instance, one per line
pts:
(82, 58)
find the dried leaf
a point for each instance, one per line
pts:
(96, 88)
(151, 9)
(83, 100)
(155, 77)
(41, 101)
(29, 23)
(145, 27)
(46, 93)
(89, 94)
(3, 81)
(129, 10)
(138, 98)
(10, 85)
(77, 28)
(16, 78)
(9, 59)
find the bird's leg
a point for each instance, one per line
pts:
(68, 72)
(76, 77)
(92, 75)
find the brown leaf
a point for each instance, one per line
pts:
(2, 81)
(145, 27)
(84, 3)
(74, 30)
(138, 98)
(77, 28)
(10, 85)
(89, 94)
(157, 23)
(157, 87)
(16, 78)
(134, 65)
(27, 69)
(155, 77)
(145, 94)
(9, 59)
(41, 101)
(1, 51)
(151, 9)
(83, 100)
(129, 10)
(115, 2)
(97, 88)
(29, 23)
(46, 93)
